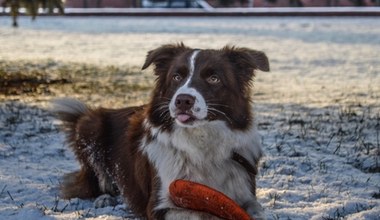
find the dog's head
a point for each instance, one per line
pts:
(196, 86)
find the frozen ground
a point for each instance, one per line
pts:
(318, 109)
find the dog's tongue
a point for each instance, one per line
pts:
(183, 117)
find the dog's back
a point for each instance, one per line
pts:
(92, 135)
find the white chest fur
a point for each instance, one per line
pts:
(203, 154)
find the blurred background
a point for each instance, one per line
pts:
(216, 3)
(192, 7)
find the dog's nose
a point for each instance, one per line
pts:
(184, 102)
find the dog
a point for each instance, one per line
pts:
(198, 125)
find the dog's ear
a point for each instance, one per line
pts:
(162, 56)
(247, 59)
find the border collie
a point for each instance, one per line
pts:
(198, 126)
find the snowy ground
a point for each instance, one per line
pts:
(318, 109)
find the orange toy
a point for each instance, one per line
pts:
(195, 196)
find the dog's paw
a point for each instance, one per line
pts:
(105, 200)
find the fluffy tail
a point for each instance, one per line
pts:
(69, 110)
(82, 183)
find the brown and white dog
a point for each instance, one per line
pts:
(198, 126)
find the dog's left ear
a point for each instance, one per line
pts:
(161, 57)
(248, 59)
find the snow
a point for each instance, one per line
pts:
(318, 109)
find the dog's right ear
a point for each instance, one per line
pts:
(162, 56)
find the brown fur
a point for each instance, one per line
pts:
(107, 143)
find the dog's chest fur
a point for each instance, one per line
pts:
(203, 155)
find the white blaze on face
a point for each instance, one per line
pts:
(199, 110)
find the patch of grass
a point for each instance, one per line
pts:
(275, 197)
(55, 78)
(23, 78)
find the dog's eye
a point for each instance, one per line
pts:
(213, 79)
(177, 77)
